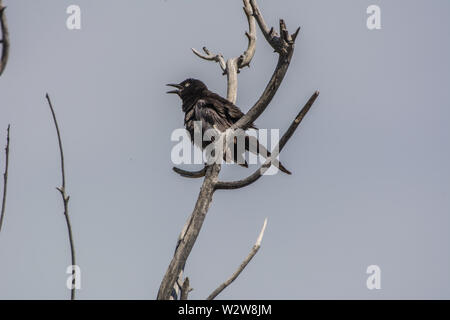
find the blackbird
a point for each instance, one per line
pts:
(215, 112)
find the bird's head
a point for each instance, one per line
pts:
(188, 88)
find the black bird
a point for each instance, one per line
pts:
(214, 111)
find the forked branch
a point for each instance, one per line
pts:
(5, 38)
(245, 58)
(64, 196)
(278, 41)
(232, 66)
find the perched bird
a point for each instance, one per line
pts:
(214, 112)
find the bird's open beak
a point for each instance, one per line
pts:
(179, 87)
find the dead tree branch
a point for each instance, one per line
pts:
(245, 59)
(283, 44)
(211, 57)
(5, 38)
(64, 196)
(277, 41)
(186, 243)
(5, 179)
(233, 65)
(241, 268)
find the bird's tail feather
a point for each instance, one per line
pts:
(252, 144)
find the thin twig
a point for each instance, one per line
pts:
(5, 38)
(64, 196)
(211, 57)
(241, 268)
(284, 139)
(5, 179)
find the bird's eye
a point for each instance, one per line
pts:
(187, 84)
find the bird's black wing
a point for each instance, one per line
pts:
(225, 107)
(211, 114)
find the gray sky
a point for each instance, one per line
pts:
(371, 178)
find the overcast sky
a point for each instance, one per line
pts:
(370, 163)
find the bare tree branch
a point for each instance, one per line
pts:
(5, 38)
(233, 65)
(64, 196)
(186, 243)
(211, 57)
(268, 34)
(284, 139)
(267, 95)
(5, 179)
(283, 44)
(273, 38)
(241, 268)
(190, 174)
(245, 59)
